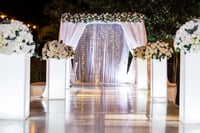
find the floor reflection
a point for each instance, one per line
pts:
(100, 109)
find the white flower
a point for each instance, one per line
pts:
(158, 50)
(15, 37)
(55, 49)
(187, 37)
(139, 52)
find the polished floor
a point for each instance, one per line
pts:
(106, 108)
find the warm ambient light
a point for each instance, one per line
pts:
(34, 27)
(12, 20)
(3, 16)
(28, 25)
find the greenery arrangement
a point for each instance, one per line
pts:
(161, 23)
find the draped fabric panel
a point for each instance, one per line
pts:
(132, 35)
(70, 33)
(135, 36)
(135, 33)
(102, 53)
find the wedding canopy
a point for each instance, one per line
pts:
(102, 43)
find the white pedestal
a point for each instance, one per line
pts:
(188, 128)
(14, 86)
(55, 116)
(68, 73)
(56, 78)
(158, 84)
(17, 126)
(141, 76)
(158, 126)
(141, 101)
(158, 110)
(158, 115)
(189, 88)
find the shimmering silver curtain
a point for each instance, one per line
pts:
(102, 54)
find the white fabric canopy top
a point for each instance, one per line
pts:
(102, 48)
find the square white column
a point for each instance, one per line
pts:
(158, 81)
(56, 78)
(141, 74)
(189, 88)
(14, 86)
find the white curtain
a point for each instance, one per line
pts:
(102, 54)
(70, 33)
(106, 49)
(135, 35)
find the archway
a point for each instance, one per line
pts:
(132, 29)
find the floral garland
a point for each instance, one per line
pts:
(158, 50)
(104, 17)
(188, 37)
(15, 37)
(58, 50)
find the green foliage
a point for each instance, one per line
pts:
(163, 17)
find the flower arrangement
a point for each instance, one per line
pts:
(139, 52)
(16, 37)
(188, 37)
(56, 49)
(104, 17)
(158, 50)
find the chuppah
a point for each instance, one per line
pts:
(102, 43)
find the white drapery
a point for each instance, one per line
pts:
(133, 34)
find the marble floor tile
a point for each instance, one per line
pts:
(101, 109)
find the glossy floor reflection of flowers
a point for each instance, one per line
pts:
(101, 109)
